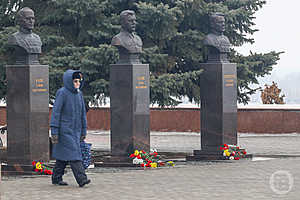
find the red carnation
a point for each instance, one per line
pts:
(142, 165)
(132, 156)
(236, 158)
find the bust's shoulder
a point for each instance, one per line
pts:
(12, 39)
(36, 36)
(20, 36)
(137, 37)
(116, 40)
(209, 38)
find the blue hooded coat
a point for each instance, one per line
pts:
(68, 120)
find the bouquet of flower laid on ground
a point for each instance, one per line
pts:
(41, 167)
(151, 159)
(233, 152)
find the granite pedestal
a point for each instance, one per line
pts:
(27, 115)
(130, 114)
(218, 110)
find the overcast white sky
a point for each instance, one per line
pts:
(279, 30)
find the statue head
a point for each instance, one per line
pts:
(25, 19)
(217, 23)
(128, 20)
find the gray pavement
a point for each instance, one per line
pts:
(257, 178)
(261, 144)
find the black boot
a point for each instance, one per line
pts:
(60, 183)
(87, 181)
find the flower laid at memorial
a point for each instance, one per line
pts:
(233, 152)
(150, 160)
(41, 168)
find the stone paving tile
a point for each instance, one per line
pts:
(243, 179)
(187, 142)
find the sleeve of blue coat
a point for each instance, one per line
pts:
(83, 119)
(56, 113)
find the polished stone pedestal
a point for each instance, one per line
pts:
(27, 114)
(116, 161)
(130, 114)
(218, 109)
(17, 169)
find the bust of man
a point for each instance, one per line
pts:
(27, 44)
(128, 43)
(218, 44)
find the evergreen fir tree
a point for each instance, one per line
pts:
(77, 33)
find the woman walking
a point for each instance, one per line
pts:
(68, 128)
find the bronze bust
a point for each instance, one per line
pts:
(26, 43)
(128, 43)
(218, 44)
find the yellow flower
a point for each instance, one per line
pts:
(171, 163)
(153, 165)
(38, 165)
(227, 153)
(136, 152)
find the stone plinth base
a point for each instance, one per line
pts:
(129, 103)
(206, 155)
(16, 169)
(218, 105)
(27, 113)
(116, 161)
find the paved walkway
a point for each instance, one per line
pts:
(258, 178)
(268, 144)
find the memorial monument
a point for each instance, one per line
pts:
(27, 98)
(129, 92)
(218, 86)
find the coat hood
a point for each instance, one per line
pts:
(68, 80)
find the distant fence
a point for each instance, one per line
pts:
(265, 119)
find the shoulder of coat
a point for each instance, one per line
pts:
(61, 91)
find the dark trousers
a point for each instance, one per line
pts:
(76, 166)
